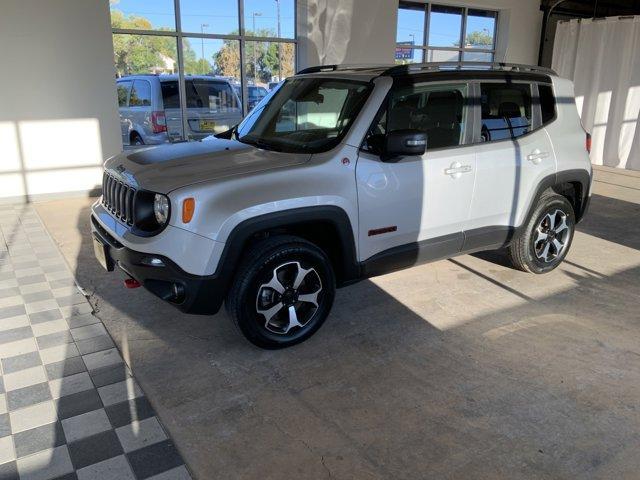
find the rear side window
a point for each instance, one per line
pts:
(439, 111)
(547, 103)
(506, 110)
(170, 94)
(214, 96)
(123, 93)
(140, 94)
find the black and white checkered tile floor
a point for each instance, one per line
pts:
(69, 407)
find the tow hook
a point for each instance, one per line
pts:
(131, 283)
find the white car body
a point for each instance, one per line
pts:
(446, 202)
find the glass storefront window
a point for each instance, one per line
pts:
(205, 43)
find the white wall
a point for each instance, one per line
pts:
(364, 31)
(58, 115)
(346, 31)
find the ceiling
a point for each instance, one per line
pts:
(593, 8)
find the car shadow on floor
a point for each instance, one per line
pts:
(460, 369)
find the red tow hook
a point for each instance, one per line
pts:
(131, 283)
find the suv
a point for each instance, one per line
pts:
(149, 107)
(343, 173)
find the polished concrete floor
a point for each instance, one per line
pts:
(461, 369)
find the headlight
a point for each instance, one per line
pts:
(161, 208)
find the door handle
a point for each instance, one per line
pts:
(456, 169)
(536, 156)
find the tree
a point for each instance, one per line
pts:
(479, 38)
(148, 53)
(227, 60)
(278, 61)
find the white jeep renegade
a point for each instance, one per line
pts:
(342, 173)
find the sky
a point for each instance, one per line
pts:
(213, 16)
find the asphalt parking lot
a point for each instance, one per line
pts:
(463, 368)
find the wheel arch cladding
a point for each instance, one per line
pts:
(569, 182)
(328, 227)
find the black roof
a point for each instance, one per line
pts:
(433, 67)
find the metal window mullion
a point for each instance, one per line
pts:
(133, 31)
(213, 36)
(182, 90)
(295, 36)
(269, 39)
(450, 49)
(427, 19)
(463, 33)
(243, 72)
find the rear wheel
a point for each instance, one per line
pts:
(136, 139)
(545, 240)
(282, 292)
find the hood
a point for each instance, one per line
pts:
(165, 168)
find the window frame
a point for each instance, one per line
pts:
(536, 115)
(469, 117)
(425, 48)
(179, 34)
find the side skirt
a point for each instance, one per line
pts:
(433, 249)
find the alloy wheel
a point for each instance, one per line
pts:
(551, 236)
(289, 299)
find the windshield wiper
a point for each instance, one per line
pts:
(256, 142)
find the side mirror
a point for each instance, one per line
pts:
(401, 143)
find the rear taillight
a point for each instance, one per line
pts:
(159, 122)
(587, 142)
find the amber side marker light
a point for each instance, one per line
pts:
(188, 207)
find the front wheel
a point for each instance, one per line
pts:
(282, 293)
(545, 240)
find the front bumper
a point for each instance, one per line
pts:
(189, 293)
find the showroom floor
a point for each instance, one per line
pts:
(459, 369)
(69, 407)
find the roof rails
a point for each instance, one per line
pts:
(332, 68)
(447, 66)
(433, 67)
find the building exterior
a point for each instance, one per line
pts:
(59, 118)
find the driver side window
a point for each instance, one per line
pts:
(438, 110)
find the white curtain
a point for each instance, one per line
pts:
(602, 57)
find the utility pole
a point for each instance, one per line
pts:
(202, 27)
(279, 44)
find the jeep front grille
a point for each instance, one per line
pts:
(117, 197)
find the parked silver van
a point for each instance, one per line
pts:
(149, 107)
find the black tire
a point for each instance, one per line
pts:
(527, 251)
(136, 139)
(279, 257)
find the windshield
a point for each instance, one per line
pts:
(304, 115)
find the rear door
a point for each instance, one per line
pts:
(418, 202)
(140, 108)
(123, 88)
(171, 106)
(212, 107)
(513, 155)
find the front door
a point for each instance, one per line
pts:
(417, 207)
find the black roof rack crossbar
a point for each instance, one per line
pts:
(319, 68)
(345, 66)
(446, 66)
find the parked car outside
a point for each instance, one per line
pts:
(255, 94)
(149, 107)
(345, 173)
